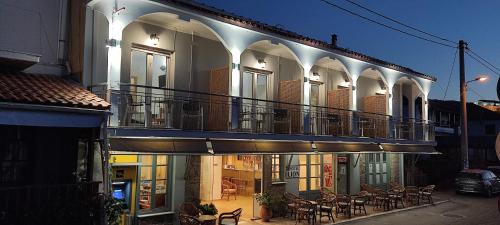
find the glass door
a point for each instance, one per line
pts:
(254, 112)
(377, 170)
(148, 75)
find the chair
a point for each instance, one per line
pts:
(230, 218)
(282, 122)
(134, 110)
(343, 205)
(325, 193)
(359, 202)
(426, 193)
(192, 111)
(412, 195)
(397, 195)
(370, 193)
(188, 220)
(305, 211)
(189, 209)
(228, 189)
(382, 200)
(326, 205)
(291, 206)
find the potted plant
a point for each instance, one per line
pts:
(208, 209)
(265, 200)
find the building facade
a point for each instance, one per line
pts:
(204, 101)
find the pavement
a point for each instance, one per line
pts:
(465, 209)
(449, 208)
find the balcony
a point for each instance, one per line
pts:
(148, 107)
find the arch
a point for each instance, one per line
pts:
(411, 80)
(374, 71)
(259, 41)
(339, 63)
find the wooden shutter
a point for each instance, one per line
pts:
(339, 99)
(290, 92)
(218, 116)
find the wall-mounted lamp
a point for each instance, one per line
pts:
(380, 146)
(155, 40)
(315, 76)
(381, 92)
(209, 147)
(261, 63)
(345, 84)
(314, 147)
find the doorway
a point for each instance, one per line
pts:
(254, 85)
(230, 182)
(377, 170)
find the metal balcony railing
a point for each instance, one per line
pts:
(152, 107)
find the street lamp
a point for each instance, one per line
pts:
(463, 134)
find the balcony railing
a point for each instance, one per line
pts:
(152, 107)
(50, 204)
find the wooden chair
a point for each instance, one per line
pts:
(230, 218)
(282, 122)
(189, 209)
(370, 193)
(359, 203)
(291, 206)
(412, 195)
(426, 193)
(395, 196)
(188, 220)
(382, 200)
(305, 211)
(326, 205)
(192, 115)
(228, 189)
(343, 205)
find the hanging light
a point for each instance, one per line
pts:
(315, 76)
(261, 63)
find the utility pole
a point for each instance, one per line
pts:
(464, 142)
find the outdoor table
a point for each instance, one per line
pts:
(207, 219)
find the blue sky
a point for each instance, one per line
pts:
(477, 22)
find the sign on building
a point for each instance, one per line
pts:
(292, 172)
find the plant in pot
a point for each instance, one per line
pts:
(265, 200)
(208, 209)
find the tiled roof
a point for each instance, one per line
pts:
(256, 25)
(47, 90)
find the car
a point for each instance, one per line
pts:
(477, 181)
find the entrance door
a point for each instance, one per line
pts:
(254, 112)
(342, 174)
(147, 70)
(377, 170)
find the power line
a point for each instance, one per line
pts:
(476, 93)
(386, 26)
(484, 60)
(482, 63)
(398, 22)
(451, 72)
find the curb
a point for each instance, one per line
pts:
(357, 219)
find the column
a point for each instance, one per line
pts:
(114, 66)
(306, 101)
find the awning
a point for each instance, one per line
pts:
(347, 147)
(223, 147)
(158, 145)
(409, 149)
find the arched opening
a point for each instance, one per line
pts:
(270, 71)
(407, 108)
(330, 97)
(371, 92)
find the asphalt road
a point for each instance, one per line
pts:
(460, 210)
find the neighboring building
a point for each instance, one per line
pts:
(202, 99)
(50, 126)
(483, 127)
(490, 104)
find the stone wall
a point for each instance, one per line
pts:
(192, 177)
(395, 171)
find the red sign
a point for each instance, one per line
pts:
(342, 159)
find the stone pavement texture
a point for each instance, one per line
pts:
(453, 209)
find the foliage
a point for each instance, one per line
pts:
(208, 209)
(113, 209)
(264, 199)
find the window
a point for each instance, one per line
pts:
(377, 171)
(276, 170)
(153, 181)
(310, 172)
(302, 172)
(315, 176)
(489, 129)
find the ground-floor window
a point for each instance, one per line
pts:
(315, 172)
(142, 181)
(276, 168)
(377, 169)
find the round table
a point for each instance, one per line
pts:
(207, 219)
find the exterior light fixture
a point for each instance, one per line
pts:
(345, 84)
(155, 40)
(261, 63)
(314, 147)
(315, 76)
(210, 147)
(381, 92)
(480, 78)
(380, 146)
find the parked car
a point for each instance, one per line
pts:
(477, 181)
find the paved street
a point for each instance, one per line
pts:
(461, 210)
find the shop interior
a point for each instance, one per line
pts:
(229, 182)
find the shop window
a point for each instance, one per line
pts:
(153, 182)
(276, 170)
(377, 170)
(310, 172)
(302, 172)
